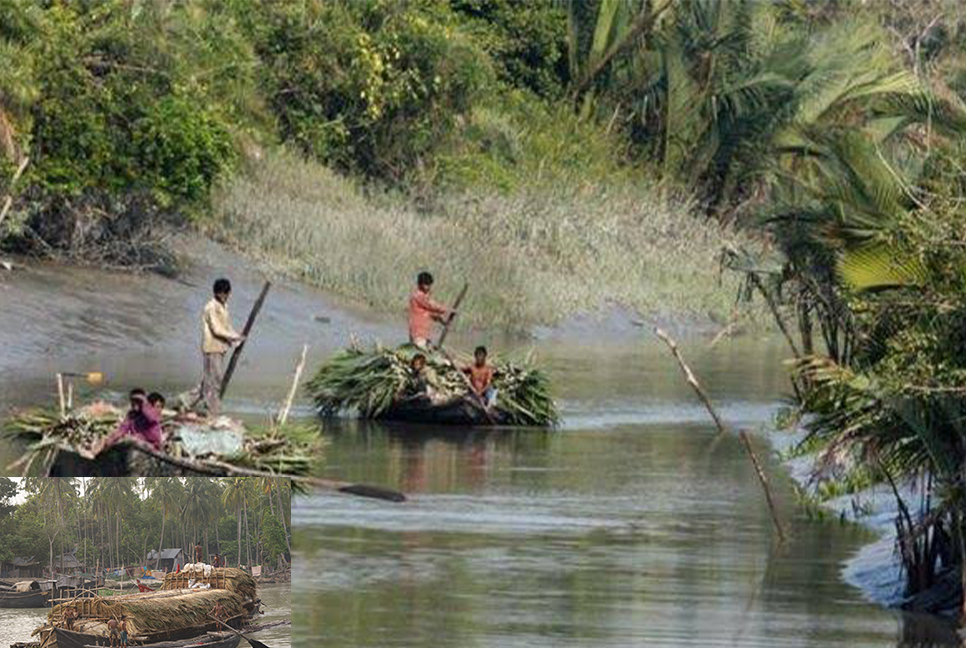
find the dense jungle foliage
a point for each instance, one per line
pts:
(115, 522)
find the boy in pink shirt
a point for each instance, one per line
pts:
(143, 421)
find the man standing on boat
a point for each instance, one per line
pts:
(217, 336)
(423, 311)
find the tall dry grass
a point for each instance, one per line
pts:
(531, 257)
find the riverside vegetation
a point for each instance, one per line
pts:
(570, 153)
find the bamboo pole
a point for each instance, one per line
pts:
(690, 377)
(232, 363)
(60, 395)
(452, 316)
(699, 390)
(283, 413)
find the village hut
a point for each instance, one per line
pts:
(21, 567)
(170, 558)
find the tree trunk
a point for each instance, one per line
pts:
(248, 537)
(239, 536)
(164, 518)
(281, 509)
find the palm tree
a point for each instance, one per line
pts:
(165, 493)
(52, 494)
(234, 497)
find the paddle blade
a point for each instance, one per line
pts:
(375, 492)
(255, 643)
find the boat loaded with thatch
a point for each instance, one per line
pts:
(65, 445)
(377, 384)
(25, 594)
(179, 610)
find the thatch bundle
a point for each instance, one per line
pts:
(230, 578)
(150, 613)
(289, 449)
(26, 586)
(371, 381)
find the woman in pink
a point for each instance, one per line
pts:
(143, 421)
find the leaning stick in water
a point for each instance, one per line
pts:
(241, 345)
(283, 413)
(693, 381)
(8, 201)
(254, 642)
(452, 316)
(690, 377)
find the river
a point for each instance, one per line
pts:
(16, 625)
(634, 524)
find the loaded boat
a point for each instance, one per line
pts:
(25, 594)
(381, 384)
(179, 611)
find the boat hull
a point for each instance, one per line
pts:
(457, 412)
(62, 638)
(121, 461)
(31, 599)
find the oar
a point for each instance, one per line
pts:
(254, 642)
(220, 468)
(241, 345)
(452, 316)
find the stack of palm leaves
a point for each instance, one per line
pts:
(289, 449)
(371, 381)
(149, 613)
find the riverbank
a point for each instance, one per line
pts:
(536, 257)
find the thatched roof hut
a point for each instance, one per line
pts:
(151, 615)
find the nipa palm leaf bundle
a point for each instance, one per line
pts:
(151, 612)
(370, 381)
(288, 449)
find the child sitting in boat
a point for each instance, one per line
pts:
(422, 381)
(143, 421)
(481, 375)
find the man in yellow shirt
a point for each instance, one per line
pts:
(217, 336)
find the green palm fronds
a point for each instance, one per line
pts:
(370, 381)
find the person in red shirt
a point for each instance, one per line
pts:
(424, 311)
(481, 376)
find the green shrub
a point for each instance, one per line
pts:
(368, 87)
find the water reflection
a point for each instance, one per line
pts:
(644, 529)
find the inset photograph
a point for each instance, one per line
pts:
(163, 562)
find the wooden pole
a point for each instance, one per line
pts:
(60, 395)
(452, 316)
(283, 413)
(699, 390)
(233, 362)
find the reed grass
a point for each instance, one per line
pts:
(533, 256)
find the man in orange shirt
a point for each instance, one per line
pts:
(423, 311)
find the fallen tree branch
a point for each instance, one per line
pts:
(699, 390)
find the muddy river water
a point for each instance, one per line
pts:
(633, 524)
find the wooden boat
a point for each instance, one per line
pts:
(123, 460)
(460, 411)
(31, 599)
(67, 639)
